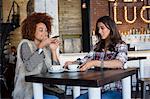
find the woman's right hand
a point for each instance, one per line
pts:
(54, 44)
(46, 42)
(68, 63)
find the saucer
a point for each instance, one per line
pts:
(68, 70)
(58, 71)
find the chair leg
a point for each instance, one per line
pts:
(149, 88)
(66, 89)
(137, 85)
(142, 89)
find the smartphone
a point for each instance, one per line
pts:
(55, 37)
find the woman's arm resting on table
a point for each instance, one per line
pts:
(106, 64)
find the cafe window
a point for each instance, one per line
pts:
(71, 43)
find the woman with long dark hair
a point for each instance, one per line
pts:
(109, 52)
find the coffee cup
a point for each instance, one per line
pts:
(56, 68)
(73, 67)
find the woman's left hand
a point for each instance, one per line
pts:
(54, 44)
(88, 65)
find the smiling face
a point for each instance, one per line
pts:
(41, 32)
(103, 30)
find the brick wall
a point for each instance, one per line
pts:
(70, 17)
(139, 23)
(7, 6)
(70, 22)
(98, 8)
(101, 7)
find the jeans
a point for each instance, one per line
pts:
(105, 95)
(49, 97)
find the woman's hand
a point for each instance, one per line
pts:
(68, 63)
(89, 64)
(45, 42)
(54, 44)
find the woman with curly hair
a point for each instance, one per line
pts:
(34, 53)
(109, 52)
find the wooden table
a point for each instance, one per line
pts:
(91, 78)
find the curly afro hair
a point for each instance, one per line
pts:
(29, 24)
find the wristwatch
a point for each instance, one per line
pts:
(40, 50)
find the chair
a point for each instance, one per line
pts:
(3, 83)
(145, 77)
(2, 77)
(144, 83)
(136, 62)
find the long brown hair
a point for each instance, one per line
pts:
(114, 37)
(29, 24)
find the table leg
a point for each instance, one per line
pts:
(144, 90)
(38, 90)
(126, 90)
(76, 91)
(94, 93)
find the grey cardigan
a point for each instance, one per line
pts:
(29, 62)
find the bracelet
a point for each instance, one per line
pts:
(40, 50)
(102, 64)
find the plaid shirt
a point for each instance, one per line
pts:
(120, 53)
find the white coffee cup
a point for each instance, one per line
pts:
(73, 67)
(56, 68)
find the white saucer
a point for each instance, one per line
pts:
(72, 70)
(58, 71)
